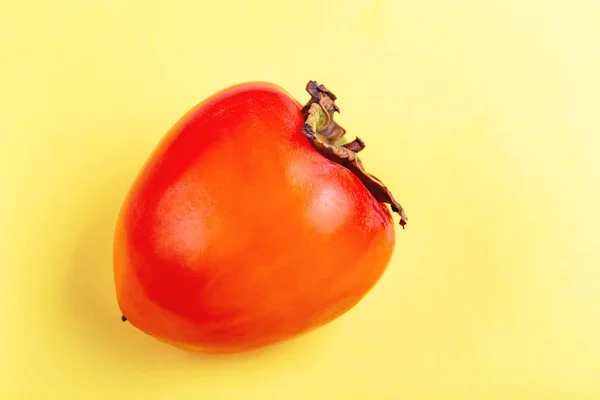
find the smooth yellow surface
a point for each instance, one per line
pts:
(482, 116)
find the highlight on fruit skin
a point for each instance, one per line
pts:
(252, 222)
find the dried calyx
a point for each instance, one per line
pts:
(327, 137)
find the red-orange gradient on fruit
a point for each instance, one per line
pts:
(238, 234)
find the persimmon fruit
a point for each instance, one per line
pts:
(253, 221)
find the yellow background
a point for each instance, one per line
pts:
(482, 116)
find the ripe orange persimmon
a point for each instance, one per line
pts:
(251, 222)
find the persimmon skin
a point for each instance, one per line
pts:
(238, 234)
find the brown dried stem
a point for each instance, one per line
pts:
(327, 137)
